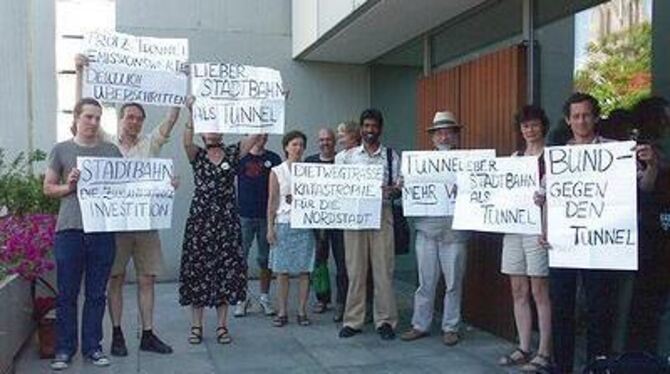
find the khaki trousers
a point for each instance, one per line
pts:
(371, 249)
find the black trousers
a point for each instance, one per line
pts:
(600, 288)
(327, 241)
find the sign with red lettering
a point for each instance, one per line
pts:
(591, 193)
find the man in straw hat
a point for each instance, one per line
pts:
(439, 247)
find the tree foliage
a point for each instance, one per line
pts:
(618, 69)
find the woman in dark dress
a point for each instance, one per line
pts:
(213, 269)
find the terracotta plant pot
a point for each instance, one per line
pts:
(46, 335)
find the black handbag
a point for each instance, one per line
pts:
(400, 225)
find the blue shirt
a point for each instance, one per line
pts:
(252, 183)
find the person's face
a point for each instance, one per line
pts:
(212, 138)
(295, 148)
(371, 131)
(531, 130)
(326, 142)
(88, 121)
(132, 121)
(582, 121)
(449, 138)
(346, 140)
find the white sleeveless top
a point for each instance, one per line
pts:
(283, 174)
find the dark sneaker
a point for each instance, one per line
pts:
(60, 362)
(348, 332)
(118, 346)
(386, 332)
(98, 358)
(151, 343)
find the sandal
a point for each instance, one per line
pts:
(222, 335)
(196, 335)
(516, 357)
(303, 320)
(280, 321)
(320, 307)
(539, 364)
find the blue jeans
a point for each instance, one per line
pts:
(255, 228)
(89, 255)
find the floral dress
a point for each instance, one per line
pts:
(213, 269)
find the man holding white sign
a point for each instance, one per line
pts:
(600, 235)
(237, 99)
(144, 247)
(126, 68)
(375, 247)
(440, 251)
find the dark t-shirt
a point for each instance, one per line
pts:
(252, 183)
(316, 159)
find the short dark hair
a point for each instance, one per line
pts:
(579, 97)
(289, 136)
(617, 125)
(650, 117)
(122, 110)
(372, 113)
(78, 108)
(532, 112)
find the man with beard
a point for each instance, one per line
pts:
(372, 247)
(439, 247)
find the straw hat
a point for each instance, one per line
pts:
(444, 120)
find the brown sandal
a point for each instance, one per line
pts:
(513, 359)
(222, 335)
(280, 321)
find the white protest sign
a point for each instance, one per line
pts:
(125, 68)
(500, 199)
(429, 179)
(336, 196)
(592, 206)
(122, 194)
(238, 99)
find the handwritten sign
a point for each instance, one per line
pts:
(500, 197)
(429, 188)
(117, 194)
(336, 196)
(592, 206)
(125, 68)
(238, 99)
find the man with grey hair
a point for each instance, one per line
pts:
(329, 240)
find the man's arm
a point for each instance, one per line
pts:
(54, 189)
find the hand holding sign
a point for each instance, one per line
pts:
(592, 206)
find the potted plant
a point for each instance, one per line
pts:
(27, 231)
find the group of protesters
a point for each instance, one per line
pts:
(242, 195)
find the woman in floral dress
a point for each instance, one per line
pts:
(213, 269)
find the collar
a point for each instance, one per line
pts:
(378, 152)
(596, 139)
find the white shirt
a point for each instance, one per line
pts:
(283, 174)
(360, 156)
(147, 146)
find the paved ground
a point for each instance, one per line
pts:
(260, 348)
